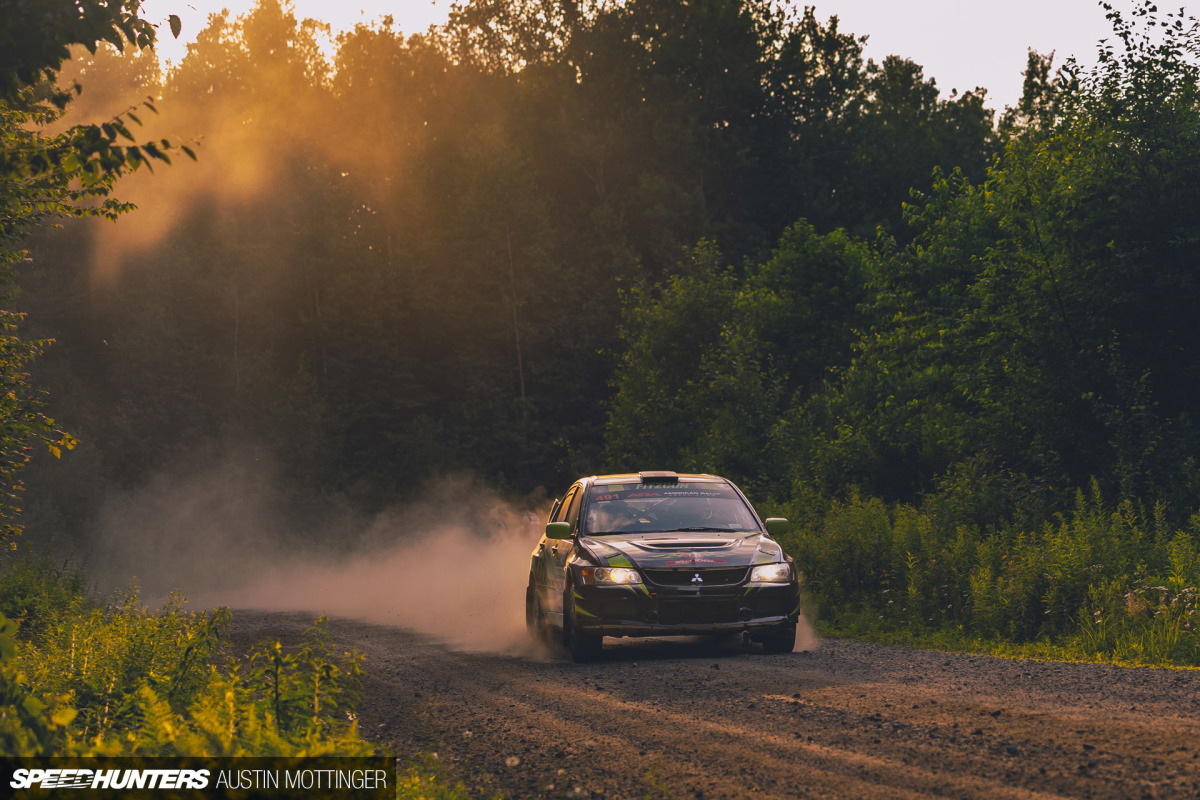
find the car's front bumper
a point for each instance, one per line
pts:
(647, 610)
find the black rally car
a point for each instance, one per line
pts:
(660, 554)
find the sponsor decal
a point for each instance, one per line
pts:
(642, 495)
(695, 560)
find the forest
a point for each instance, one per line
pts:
(424, 256)
(957, 346)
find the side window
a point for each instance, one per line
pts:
(554, 510)
(573, 512)
(563, 508)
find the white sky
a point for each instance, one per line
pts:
(961, 43)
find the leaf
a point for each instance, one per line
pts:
(63, 716)
(176, 25)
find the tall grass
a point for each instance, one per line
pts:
(87, 676)
(1111, 582)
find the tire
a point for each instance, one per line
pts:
(781, 641)
(536, 621)
(582, 646)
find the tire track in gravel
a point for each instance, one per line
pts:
(661, 718)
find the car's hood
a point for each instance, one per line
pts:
(683, 549)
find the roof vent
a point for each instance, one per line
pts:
(659, 477)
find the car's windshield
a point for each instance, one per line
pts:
(659, 508)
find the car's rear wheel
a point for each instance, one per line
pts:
(581, 644)
(536, 621)
(781, 641)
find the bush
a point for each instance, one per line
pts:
(1099, 581)
(119, 679)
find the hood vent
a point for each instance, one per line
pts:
(677, 544)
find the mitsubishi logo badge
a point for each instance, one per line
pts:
(697, 579)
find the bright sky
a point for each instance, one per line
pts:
(961, 43)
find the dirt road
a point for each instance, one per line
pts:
(683, 719)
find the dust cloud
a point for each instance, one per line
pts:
(806, 636)
(463, 585)
(452, 563)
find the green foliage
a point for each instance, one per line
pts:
(35, 37)
(463, 249)
(69, 173)
(118, 679)
(280, 703)
(22, 422)
(42, 176)
(30, 723)
(1114, 583)
(409, 260)
(35, 590)
(125, 680)
(103, 656)
(901, 131)
(714, 358)
(307, 688)
(425, 779)
(664, 381)
(114, 677)
(1038, 329)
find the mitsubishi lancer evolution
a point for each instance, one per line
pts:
(660, 554)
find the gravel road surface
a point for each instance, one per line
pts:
(672, 718)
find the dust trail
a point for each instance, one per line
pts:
(806, 636)
(453, 563)
(464, 586)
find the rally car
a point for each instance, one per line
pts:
(660, 554)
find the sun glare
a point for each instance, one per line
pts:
(410, 16)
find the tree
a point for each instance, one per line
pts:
(36, 39)
(1042, 322)
(715, 359)
(47, 176)
(901, 130)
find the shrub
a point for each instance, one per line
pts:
(119, 679)
(1104, 582)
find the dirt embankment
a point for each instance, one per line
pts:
(682, 719)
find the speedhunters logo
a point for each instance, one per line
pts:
(109, 779)
(197, 778)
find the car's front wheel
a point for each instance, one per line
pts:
(581, 644)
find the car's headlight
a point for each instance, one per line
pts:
(771, 573)
(610, 576)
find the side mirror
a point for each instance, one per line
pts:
(558, 530)
(776, 526)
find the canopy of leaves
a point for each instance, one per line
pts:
(409, 260)
(47, 176)
(1037, 331)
